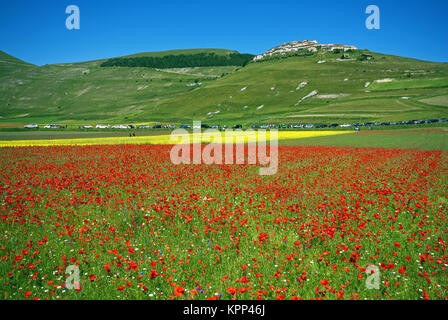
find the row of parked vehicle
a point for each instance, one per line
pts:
(161, 126)
(47, 126)
(212, 126)
(131, 126)
(103, 126)
(239, 126)
(347, 125)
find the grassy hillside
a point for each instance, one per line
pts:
(266, 91)
(423, 139)
(85, 91)
(10, 66)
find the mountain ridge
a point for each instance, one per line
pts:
(5, 57)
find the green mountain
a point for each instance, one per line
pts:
(299, 87)
(10, 65)
(8, 59)
(75, 92)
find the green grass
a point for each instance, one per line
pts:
(438, 100)
(410, 84)
(423, 139)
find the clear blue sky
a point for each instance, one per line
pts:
(34, 30)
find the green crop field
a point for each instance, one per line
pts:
(410, 84)
(421, 139)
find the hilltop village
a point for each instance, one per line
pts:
(309, 45)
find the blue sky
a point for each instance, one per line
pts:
(35, 30)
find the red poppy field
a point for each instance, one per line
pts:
(139, 227)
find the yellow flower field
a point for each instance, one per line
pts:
(206, 137)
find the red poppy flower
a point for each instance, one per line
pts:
(178, 291)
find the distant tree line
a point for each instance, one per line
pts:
(183, 60)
